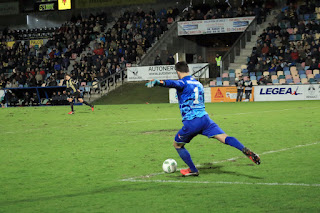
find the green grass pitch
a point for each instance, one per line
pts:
(110, 160)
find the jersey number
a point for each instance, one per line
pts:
(196, 93)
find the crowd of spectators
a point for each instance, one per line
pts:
(124, 43)
(23, 65)
(293, 40)
(222, 9)
(114, 48)
(32, 66)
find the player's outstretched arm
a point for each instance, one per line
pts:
(154, 82)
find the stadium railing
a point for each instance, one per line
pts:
(105, 85)
(239, 44)
(151, 52)
(201, 74)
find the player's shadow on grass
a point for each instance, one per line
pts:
(217, 169)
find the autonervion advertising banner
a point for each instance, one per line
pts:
(213, 26)
(163, 72)
(287, 92)
(108, 3)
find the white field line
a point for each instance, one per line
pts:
(223, 182)
(162, 119)
(134, 179)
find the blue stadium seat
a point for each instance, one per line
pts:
(303, 76)
(317, 77)
(306, 17)
(89, 83)
(219, 79)
(259, 73)
(275, 81)
(273, 73)
(289, 81)
(87, 90)
(244, 71)
(253, 77)
(232, 75)
(287, 73)
(286, 69)
(301, 72)
(306, 67)
(219, 83)
(252, 73)
(292, 37)
(298, 37)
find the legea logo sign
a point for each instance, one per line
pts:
(279, 91)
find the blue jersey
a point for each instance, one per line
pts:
(190, 95)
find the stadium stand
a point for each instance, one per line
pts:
(23, 65)
(288, 50)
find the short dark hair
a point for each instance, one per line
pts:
(182, 66)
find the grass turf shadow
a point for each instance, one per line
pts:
(217, 169)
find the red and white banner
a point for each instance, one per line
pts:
(213, 26)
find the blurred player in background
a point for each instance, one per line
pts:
(195, 119)
(72, 87)
(248, 88)
(239, 84)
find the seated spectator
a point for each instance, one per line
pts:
(272, 68)
(39, 79)
(13, 100)
(170, 60)
(199, 15)
(157, 61)
(265, 49)
(294, 55)
(26, 99)
(251, 67)
(34, 99)
(200, 59)
(54, 99)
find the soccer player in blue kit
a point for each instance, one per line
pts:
(195, 119)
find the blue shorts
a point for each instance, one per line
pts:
(191, 128)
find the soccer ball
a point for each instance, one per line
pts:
(169, 166)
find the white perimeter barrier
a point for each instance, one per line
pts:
(267, 93)
(287, 92)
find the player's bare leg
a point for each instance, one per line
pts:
(71, 105)
(86, 103)
(231, 141)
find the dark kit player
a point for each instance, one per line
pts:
(72, 87)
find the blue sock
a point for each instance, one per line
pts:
(231, 141)
(185, 156)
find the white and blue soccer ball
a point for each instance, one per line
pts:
(169, 166)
